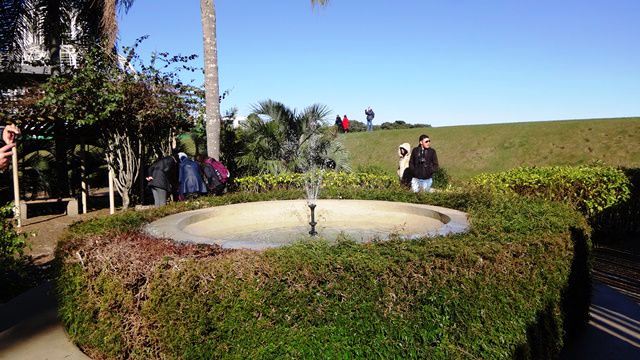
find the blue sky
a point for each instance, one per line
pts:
(441, 62)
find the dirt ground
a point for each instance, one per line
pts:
(43, 232)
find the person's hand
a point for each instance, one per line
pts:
(9, 134)
(5, 156)
(149, 178)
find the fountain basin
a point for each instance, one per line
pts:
(268, 224)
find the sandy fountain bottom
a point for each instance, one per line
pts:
(268, 224)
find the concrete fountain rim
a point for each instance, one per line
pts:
(454, 221)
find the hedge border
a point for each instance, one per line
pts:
(538, 333)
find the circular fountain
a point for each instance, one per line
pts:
(267, 224)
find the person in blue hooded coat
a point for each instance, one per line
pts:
(190, 178)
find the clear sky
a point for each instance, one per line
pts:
(441, 62)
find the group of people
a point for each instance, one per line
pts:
(342, 123)
(185, 178)
(417, 166)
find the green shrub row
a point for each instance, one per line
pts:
(591, 189)
(367, 179)
(330, 180)
(499, 291)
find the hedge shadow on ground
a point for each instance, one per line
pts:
(576, 298)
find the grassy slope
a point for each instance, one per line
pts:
(468, 150)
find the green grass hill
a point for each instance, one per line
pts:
(469, 150)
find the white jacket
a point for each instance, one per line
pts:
(403, 163)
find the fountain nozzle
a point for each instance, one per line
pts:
(313, 222)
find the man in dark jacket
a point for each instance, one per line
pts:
(190, 179)
(162, 179)
(423, 163)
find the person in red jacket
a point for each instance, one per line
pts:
(345, 124)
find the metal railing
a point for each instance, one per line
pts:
(35, 60)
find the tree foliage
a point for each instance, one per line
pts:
(132, 112)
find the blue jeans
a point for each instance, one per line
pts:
(424, 184)
(369, 125)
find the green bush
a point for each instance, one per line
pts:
(441, 178)
(501, 290)
(12, 260)
(620, 224)
(373, 169)
(330, 180)
(366, 178)
(591, 189)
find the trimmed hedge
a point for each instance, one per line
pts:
(591, 189)
(332, 181)
(502, 290)
(620, 224)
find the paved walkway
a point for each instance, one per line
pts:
(614, 316)
(614, 327)
(30, 329)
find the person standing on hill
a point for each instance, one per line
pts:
(370, 115)
(345, 124)
(423, 164)
(339, 123)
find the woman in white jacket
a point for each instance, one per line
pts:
(404, 152)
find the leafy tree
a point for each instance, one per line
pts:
(132, 115)
(82, 23)
(400, 124)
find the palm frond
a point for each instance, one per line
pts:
(16, 17)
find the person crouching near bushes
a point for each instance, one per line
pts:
(214, 174)
(191, 183)
(423, 164)
(163, 178)
(404, 152)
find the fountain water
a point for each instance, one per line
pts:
(312, 184)
(313, 173)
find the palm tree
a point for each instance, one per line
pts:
(279, 140)
(211, 82)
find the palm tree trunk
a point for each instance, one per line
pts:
(212, 90)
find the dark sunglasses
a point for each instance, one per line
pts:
(426, 140)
